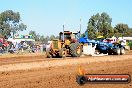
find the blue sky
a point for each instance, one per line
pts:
(46, 17)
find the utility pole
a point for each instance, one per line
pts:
(80, 25)
(63, 31)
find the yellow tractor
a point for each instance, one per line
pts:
(66, 45)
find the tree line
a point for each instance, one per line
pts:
(98, 25)
(42, 38)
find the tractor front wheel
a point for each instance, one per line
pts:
(62, 53)
(49, 55)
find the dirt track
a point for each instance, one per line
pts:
(40, 72)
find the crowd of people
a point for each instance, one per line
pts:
(10, 47)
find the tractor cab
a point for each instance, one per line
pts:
(68, 36)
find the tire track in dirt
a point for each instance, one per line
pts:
(62, 62)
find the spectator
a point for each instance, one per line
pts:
(41, 48)
(1, 50)
(44, 47)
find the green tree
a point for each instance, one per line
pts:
(47, 38)
(122, 29)
(52, 37)
(10, 22)
(100, 25)
(42, 39)
(34, 35)
(37, 37)
(129, 34)
(92, 27)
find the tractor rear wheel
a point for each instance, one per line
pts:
(62, 53)
(109, 53)
(75, 49)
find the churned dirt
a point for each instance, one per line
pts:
(36, 71)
